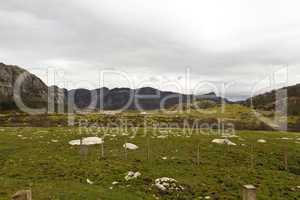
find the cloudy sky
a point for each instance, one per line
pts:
(168, 44)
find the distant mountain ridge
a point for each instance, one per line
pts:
(37, 94)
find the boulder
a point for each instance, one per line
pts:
(223, 141)
(261, 141)
(168, 185)
(22, 195)
(87, 141)
(130, 146)
(132, 175)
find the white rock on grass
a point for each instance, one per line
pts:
(229, 136)
(223, 141)
(166, 184)
(130, 146)
(132, 175)
(285, 138)
(162, 136)
(164, 131)
(261, 141)
(89, 181)
(115, 183)
(87, 141)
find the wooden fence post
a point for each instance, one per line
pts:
(148, 147)
(198, 154)
(83, 150)
(102, 150)
(125, 150)
(249, 192)
(286, 160)
(252, 164)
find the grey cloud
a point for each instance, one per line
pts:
(34, 32)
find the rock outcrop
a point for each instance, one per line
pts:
(16, 82)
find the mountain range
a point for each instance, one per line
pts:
(36, 94)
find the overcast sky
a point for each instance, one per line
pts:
(154, 42)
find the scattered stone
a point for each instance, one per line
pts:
(207, 197)
(164, 131)
(261, 141)
(162, 136)
(168, 185)
(89, 181)
(164, 158)
(115, 183)
(54, 141)
(130, 146)
(229, 136)
(285, 138)
(22, 195)
(87, 141)
(155, 197)
(132, 175)
(223, 141)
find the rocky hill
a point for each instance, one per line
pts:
(268, 101)
(32, 90)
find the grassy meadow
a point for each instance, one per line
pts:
(41, 159)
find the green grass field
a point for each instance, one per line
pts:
(42, 159)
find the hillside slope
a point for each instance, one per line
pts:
(268, 101)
